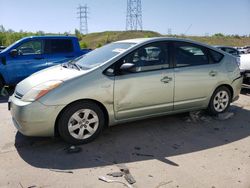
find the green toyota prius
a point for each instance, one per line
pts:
(121, 82)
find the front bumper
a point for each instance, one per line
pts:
(33, 118)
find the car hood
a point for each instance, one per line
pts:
(53, 73)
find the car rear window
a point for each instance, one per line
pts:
(215, 56)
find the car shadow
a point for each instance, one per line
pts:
(158, 138)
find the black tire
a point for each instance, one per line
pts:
(1, 85)
(211, 107)
(66, 115)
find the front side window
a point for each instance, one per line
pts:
(150, 57)
(187, 54)
(30, 48)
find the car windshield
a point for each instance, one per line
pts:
(101, 55)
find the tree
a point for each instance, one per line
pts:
(2, 30)
(218, 35)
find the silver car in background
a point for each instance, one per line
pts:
(121, 82)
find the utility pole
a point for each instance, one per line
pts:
(169, 31)
(83, 17)
(134, 15)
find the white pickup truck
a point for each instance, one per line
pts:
(245, 67)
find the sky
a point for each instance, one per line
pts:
(190, 17)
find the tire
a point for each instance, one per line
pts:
(1, 85)
(220, 101)
(81, 122)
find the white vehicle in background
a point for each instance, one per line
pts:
(243, 50)
(245, 67)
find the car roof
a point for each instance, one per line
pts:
(159, 39)
(50, 37)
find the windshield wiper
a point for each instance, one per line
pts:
(71, 64)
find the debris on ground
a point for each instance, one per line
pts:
(225, 116)
(130, 179)
(116, 174)
(163, 183)
(137, 148)
(73, 149)
(142, 154)
(198, 116)
(202, 116)
(61, 171)
(103, 178)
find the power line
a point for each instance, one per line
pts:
(83, 17)
(134, 15)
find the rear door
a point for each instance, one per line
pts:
(58, 51)
(149, 88)
(195, 76)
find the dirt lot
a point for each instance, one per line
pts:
(171, 151)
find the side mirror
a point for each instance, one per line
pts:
(14, 53)
(127, 67)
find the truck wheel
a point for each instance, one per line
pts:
(1, 84)
(81, 122)
(220, 101)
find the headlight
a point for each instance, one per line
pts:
(40, 90)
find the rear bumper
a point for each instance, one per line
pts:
(33, 118)
(236, 84)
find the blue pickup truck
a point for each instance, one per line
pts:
(32, 54)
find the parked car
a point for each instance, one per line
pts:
(32, 54)
(242, 50)
(245, 68)
(231, 51)
(119, 83)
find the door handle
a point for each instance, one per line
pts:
(213, 73)
(166, 79)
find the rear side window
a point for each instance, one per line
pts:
(215, 56)
(187, 54)
(58, 46)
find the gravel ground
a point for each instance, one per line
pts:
(170, 151)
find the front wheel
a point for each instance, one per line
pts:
(1, 84)
(220, 101)
(81, 122)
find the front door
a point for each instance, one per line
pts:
(30, 59)
(148, 88)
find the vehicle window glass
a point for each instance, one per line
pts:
(150, 57)
(58, 46)
(30, 48)
(215, 56)
(103, 54)
(231, 51)
(187, 54)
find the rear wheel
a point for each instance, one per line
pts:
(81, 122)
(220, 101)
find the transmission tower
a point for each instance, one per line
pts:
(134, 15)
(83, 17)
